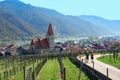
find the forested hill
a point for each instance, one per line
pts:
(20, 19)
(111, 25)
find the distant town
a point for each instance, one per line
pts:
(49, 43)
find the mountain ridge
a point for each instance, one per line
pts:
(9, 26)
(111, 25)
(39, 18)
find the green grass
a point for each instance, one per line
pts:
(19, 76)
(72, 71)
(50, 71)
(110, 60)
(2, 68)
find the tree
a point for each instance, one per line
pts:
(1, 54)
(8, 53)
(13, 42)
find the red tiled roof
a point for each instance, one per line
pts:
(44, 43)
(50, 30)
(40, 43)
(99, 47)
(33, 42)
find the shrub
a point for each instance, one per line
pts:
(8, 53)
(1, 54)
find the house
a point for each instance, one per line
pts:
(99, 48)
(2, 50)
(43, 43)
(12, 49)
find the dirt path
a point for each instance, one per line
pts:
(113, 72)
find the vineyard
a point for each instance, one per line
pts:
(40, 67)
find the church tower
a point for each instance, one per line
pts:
(50, 36)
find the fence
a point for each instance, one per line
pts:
(91, 72)
(62, 68)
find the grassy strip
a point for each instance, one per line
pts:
(8, 68)
(110, 60)
(19, 76)
(50, 71)
(72, 71)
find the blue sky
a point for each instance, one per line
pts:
(109, 9)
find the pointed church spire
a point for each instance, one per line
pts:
(50, 30)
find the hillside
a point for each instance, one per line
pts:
(12, 27)
(111, 25)
(36, 19)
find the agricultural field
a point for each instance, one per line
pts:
(111, 60)
(39, 68)
(72, 72)
(18, 68)
(51, 69)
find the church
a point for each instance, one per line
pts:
(44, 43)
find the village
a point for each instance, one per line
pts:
(77, 52)
(46, 45)
(42, 45)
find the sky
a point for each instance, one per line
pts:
(109, 9)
